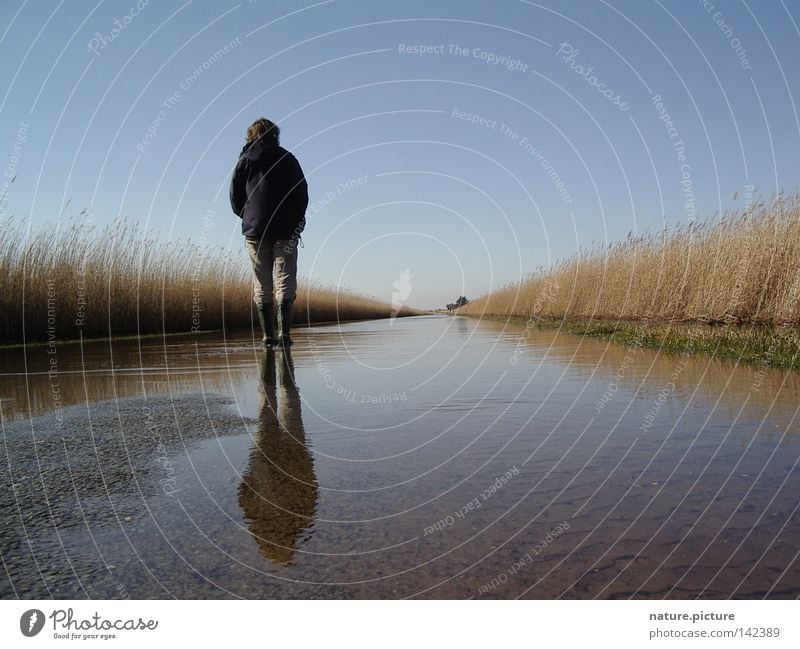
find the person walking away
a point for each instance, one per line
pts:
(270, 194)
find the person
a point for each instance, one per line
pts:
(269, 193)
(279, 491)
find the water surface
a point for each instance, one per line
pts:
(420, 457)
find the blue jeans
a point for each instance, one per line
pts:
(280, 258)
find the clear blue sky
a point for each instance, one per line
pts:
(396, 179)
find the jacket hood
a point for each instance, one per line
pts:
(262, 149)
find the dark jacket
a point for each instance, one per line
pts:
(268, 191)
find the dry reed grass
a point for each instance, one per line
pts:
(741, 269)
(73, 280)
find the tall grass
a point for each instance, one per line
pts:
(73, 280)
(740, 269)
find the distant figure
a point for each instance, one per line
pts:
(461, 301)
(269, 193)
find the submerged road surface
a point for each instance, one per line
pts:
(421, 457)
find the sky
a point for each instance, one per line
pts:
(470, 143)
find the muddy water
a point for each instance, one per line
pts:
(424, 457)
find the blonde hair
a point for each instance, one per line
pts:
(262, 127)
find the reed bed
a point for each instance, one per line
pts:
(76, 280)
(743, 268)
(730, 286)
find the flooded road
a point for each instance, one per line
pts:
(429, 457)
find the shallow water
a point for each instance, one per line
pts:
(421, 457)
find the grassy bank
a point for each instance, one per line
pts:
(61, 283)
(756, 345)
(730, 287)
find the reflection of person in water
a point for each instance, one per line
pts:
(278, 493)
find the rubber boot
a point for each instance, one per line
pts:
(265, 317)
(284, 324)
